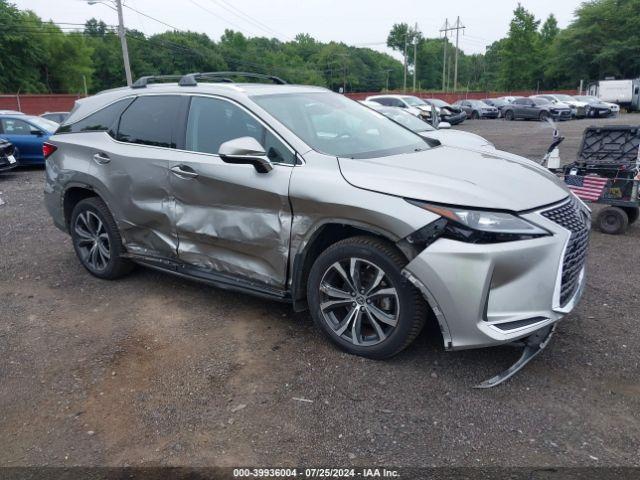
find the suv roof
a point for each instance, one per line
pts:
(88, 105)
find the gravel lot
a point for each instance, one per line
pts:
(155, 370)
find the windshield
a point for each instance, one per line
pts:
(406, 119)
(413, 101)
(333, 124)
(438, 103)
(478, 103)
(44, 124)
(564, 98)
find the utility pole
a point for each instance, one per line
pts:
(404, 82)
(123, 42)
(459, 27)
(415, 56)
(121, 34)
(388, 71)
(444, 60)
(344, 77)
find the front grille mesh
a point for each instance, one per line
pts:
(572, 216)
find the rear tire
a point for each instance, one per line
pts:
(97, 241)
(360, 300)
(613, 221)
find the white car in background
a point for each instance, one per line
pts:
(412, 104)
(451, 138)
(614, 107)
(578, 107)
(510, 98)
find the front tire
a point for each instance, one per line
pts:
(509, 115)
(360, 300)
(475, 116)
(544, 116)
(97, 241)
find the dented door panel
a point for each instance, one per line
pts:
(136, 178)
(231, 219)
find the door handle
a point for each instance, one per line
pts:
(101, 158)
(183, 171)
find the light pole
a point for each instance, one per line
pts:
(121, 34)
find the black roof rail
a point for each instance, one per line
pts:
(143, 81)
(191, 79)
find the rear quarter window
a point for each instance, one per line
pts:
(104, 120)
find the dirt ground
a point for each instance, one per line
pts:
(155, 370)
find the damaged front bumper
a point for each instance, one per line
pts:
(494, 294)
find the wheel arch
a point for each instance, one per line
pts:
(318, 240)
(72, 195)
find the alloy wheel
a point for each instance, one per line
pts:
(92, 240)
(359, 302)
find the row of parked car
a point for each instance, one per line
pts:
(22, 136)
(537, 107)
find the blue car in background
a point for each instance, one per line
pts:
(27, 134)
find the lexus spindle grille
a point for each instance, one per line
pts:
(572, 216)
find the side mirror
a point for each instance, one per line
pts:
(37, 133)
(246, 150)
(444, 126)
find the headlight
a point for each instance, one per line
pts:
(474, 226)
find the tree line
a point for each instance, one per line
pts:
(38, 56)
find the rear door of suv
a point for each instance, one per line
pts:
(231, 221)
(133, 170)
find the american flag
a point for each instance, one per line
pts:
(587, 188)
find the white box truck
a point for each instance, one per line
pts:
(625, 93)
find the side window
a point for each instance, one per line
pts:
(383, 101)
(13, 126)
(151, 121)
(213, 121)
(104, 120)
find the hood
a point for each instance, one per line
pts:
(559, 105)
(577, 103)
(492, 180)
(452, 109)
(423, 108)
(457, 138)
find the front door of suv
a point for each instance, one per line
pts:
(230, 219)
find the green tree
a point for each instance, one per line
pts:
(520, 66)
(603, 40)
(549, 30)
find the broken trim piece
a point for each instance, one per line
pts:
(533, 345)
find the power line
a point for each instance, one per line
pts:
(247, 18)
(220, 17)
(150, 17)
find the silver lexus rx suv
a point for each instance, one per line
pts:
(301, 195)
